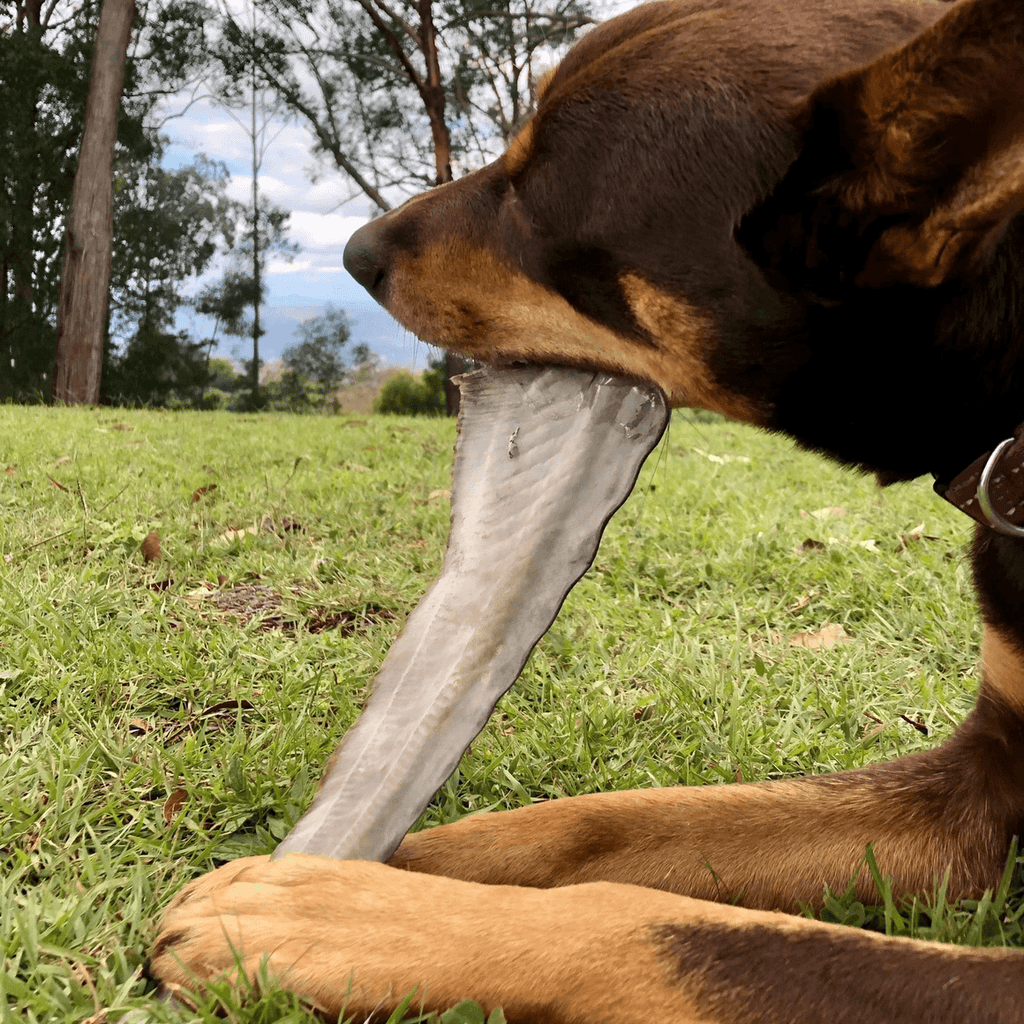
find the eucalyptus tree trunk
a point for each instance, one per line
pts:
(256, 161)
(88, 239)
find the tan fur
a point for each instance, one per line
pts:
(308, 914)
(1003, 665)
(598, 953)
(519, 150)
(697, 841)
(529, 322)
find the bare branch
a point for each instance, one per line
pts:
(570, 21)
(394, 44)
(330, 144)
(406, 27)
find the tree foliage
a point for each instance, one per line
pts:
(406, 395)
(321, 361)
(319, 356)
(170, 224)
(45, 53)
(399, 93)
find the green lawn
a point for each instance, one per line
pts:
(160, 717)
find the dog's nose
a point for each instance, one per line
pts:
(363, 257)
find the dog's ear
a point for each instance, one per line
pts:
(910, 168)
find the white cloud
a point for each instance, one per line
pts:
(326, 233)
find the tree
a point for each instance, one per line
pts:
(398, 92)
(319, 358)
(89, 238)
(159, 366)
(226, 302)
(46, 52)
(242, 84)
(221, 374)
(406, 395)
(172, 224)
(44, 88)
(264, 234)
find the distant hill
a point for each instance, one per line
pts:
(372, 325)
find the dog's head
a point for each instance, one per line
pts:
(799, 213)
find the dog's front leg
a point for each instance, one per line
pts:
(356, 937)
(769, 845)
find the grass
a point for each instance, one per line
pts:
(159, 717)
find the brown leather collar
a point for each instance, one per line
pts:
(991, 489)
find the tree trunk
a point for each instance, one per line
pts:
(432, 93)
(88, 238)
(256, 330)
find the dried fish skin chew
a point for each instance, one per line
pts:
(544, 458)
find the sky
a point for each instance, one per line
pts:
(323, 216)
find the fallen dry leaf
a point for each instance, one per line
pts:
(229, 535)
(831, 512)
(55, 484)
(173, 804)
(829, 635)
(916, 534)
(63, 460)
(138, 726)
(441, 492)
(11, 469)
(200, 491)
(123, 426)
(803, 602)
(150, 546)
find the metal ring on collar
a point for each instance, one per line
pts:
(996, 521)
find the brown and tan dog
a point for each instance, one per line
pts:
(804, 214)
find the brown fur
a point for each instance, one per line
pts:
(807, 215)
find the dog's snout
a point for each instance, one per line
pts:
(364, 258)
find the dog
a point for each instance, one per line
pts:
(805, 214)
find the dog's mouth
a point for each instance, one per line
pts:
(545, 457)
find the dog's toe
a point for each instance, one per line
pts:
(256, 917)
(201, 933)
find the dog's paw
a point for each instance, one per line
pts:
(342, 934)
(286, 915)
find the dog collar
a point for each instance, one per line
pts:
(991, 489)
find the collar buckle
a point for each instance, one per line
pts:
(991, 489)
